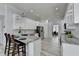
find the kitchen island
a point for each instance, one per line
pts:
(32, 43)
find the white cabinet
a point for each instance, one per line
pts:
(2, 9)
(76, 13)
(34, 48)
(70, 49)
(23, 22)
(72, 15)
(69, 16)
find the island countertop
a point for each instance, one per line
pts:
(28, 39)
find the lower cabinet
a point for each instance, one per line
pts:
(70, 49)
(34, 48)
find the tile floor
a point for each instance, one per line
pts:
(51, 47)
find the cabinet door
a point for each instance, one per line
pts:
(76, 13)
(69, 17)
(34, 48)
(37, 47)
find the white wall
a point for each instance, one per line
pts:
(1, 28)
(9, 22)
(2, 9)
(2, 13)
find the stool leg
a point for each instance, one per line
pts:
(24, 53)
(14, 48)
(9, 48)
(5, 48)
(22, 50)
(18, 51)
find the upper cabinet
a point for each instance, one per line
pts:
(23, 22)
(72, 15)
(69, 16)
(76, 13)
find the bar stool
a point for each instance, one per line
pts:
(6, 44)
(12, 46)
(17, 46)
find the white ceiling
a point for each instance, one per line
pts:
(42, 11)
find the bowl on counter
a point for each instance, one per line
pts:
(24, 34)
(27, 34)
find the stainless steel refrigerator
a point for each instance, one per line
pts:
(40, 31)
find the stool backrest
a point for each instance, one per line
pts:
(14, 44)
(9, 38)
(13, 39)
(5, 34)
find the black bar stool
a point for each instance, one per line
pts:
(6, 44)
(19, 46)
(12, 46)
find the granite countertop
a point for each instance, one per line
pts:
(73, 40)
(28, 39)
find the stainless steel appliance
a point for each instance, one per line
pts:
(40, 31)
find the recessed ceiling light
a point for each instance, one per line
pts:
(56, 8)
(31, 10)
